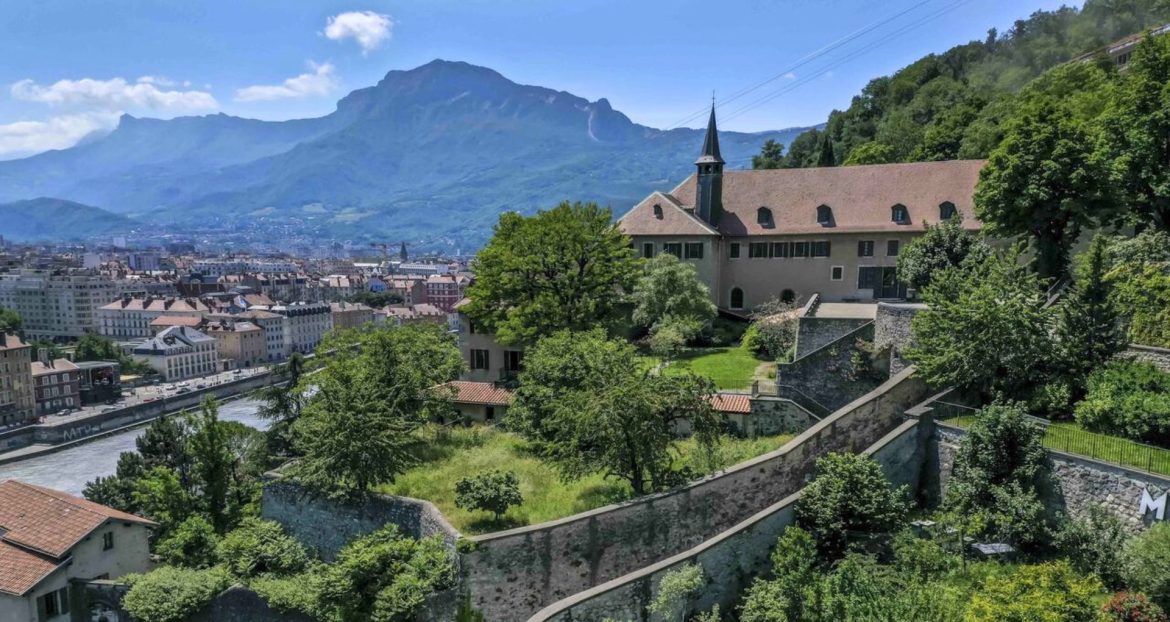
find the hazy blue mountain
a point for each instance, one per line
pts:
(432, 154)
(55, 219)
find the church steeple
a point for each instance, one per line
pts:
(709, 190)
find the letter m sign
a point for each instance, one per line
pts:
(1150, 504)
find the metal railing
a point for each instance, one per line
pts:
(789, 392)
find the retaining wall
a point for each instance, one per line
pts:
(1158, 357)
(892, 330)
(814, 332)
(828, 375)
(512, 574)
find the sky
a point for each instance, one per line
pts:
(72, 67)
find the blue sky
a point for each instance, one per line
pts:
(72, 66)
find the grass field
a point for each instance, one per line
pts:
(730, 368)
(461, 452)
(1073, 439)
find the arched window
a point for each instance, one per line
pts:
(657, 211)
(736, 298)
(900, 214)
(788, 296)
(764, 217)
(824, 215)
(946, 210)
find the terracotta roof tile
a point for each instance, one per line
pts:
(22, 570)
(479, 393)
(739, 403)
(48, 521)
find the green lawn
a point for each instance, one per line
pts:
(730, 368)
(1071, 438)
(460, 452)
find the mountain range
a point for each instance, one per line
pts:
(431, 155)
(44, 218)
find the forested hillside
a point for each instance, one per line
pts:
(952, 105)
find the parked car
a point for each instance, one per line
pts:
(183, 390)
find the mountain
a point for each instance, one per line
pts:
(55, 219)
(431, 154)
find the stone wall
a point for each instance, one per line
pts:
(730, 560)
(892, 331)
(325, 526)
(512, 574)
(1081, 482)
(240, 604)
(776, 415)
(814, 332)
(832, 375)
(1158, 357)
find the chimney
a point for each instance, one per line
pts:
(43, 357)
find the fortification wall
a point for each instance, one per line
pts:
(836, 373)
(512, 574)
(1158, 357)
(892, 330)
(814, 332)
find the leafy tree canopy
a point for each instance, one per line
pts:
(850, 504)
(670, 288)
(942, 246)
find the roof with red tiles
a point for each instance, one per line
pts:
(486, 393)
(58, 366)
(739, 403)
(177, 320)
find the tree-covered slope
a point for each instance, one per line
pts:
(56, 219)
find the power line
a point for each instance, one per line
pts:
(803, 61)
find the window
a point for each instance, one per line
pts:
(900, 214)
(892, 248)
(479, 359)
(868, 277)
(736, 298)
(512, 360)
(780, 249)
(865, 248)
(107, 540)
(658, 211)
(820, 248)
(757, 250)
(764, 217)
(946, 210)
(800, 249)
(733, 250)
(694, 250)
(824, 215)
(53, 604)
(674, 248)
(837, 273)
(647, 249)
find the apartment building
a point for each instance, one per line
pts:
(444, 290)
(17, 400)
(350, 315)
(131, 318)
(239, 343)
(307, 324)
(57, 304)
(274, 326)
(56, 384)
(179, 352)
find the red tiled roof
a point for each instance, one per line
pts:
(479, 393)
(48, 521)
(21, 570)
(9, 341)
(59, 365)
(176, 320)
(739, 403)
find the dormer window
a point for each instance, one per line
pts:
(658, 211)
(946, 210)
(824, 215)
(764, 217)
(900, 214)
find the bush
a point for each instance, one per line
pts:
(675, 591)
(493, 491)
(260, 547)
(296, 593)
(1094, 545)
(1147, 563)
(1131, 607)
(1051, 592)
(170, 594)
(1128, 398)
(192, 544)
(850, 504)
(772, 333)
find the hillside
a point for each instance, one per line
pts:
(53, 219)
(432, 155)
(949, 105)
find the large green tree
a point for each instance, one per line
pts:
(770, 156)
(670, 288)
(1043, 182)
(588, 405)
(850, 503)
(282, 403)
(1088, 328)
(564, 268)
(213, 467)
(945, 245)
(10, 321)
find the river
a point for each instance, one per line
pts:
(68, 470)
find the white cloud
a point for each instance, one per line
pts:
(319, 81)
(24, 138)
(114, 94)
(790, 76)
(368, 28)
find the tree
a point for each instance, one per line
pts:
(870, 153)
(804, 150)
(161, 497)
(564, 268)
(669, 337)
(94, 347)
(1130, 399)
(670, 288)
(1094, 544)
(942, 246)
(825, 156)
(282, 403)
(588, 406)
(164, 443)
(191, 544)
(791, 592)
(377, 300)
(772, 333)
(1131, 607)
(260, 547)
(1042, 182)
(1052, 592)
(984, 330)
(10, 321)
(117, 490)
(770, 156)
(1133, 137)
(675, 591)
(213, 470)
(494, 491)
(1088, 328)
(171, 594)
(849, 503)
(1147, 564)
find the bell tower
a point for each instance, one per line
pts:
(709, 190)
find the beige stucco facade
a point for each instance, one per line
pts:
(478, 348)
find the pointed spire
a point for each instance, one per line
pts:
(711, 142)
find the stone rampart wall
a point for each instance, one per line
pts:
(512, 574)
(832, 375)
(814, 332)
(892, 331)
(1158, 357)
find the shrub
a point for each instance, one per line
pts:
(493, 491)
(1131, 607)
(1147, 563)
(1094, 545)
(1128, 398)
(260, 547)
(1051, 592)
(849, 503)
(296, 593)
(170, 594)
(772, 333)
(192, 544)
(675, 590)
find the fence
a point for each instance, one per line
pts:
(1072, 439)
(787, 391)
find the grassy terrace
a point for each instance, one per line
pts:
(1073, 439)
(454, 453)
(729, 367)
